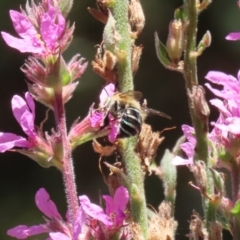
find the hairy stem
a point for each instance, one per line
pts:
(191, 79)
(136, 186)
(125, 82)
(68, 170)
(124, 46)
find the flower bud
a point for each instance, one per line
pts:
(199, 104)
(174, 43)
(169, 176)
(204, 43)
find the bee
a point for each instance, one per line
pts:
(125, 108)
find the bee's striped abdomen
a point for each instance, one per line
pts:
(131, 122)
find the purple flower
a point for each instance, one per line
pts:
(24, 112)
(113, 218)
(57, 228)
(234, 36)
(42, 39)
(188, 147)
(88, 212)
(229, 109)
(226, 131)
(98, 116)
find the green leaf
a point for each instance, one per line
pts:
(179, 14)
(219, 181)
(65, 6)
(169, 177)
(162, 53)
(236, 210)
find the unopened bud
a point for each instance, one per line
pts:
(199, 104)
(204, 43)
(203, 5)
(174, 43)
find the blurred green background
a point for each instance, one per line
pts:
(20, 177)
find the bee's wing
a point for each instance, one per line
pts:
(131, 93)
(151, 111)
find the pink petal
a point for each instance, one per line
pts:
(46, 205)
(221, 78)
(228, 82)
(117, 204)
(114, 128)
(94, 211)
(109, 204)
(57, 17)
(50, 31)
(188, 148)
(59, 236)
(29, 42)
(22, 45)
(23, 115)
(181, 161)
(10, 140)
(219, 93)
(78, 223)
(188, 132)
(30, 103)
(19, 107)
(121, 198)
(220, 105)
(97, 118)
(231, 125)
(234, 36)
(27, 124)
(22, 25)
(107, 92)
(22, 231)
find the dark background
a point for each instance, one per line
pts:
(21, 177)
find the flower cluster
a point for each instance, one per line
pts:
(35, 145)
(42, 29)
(91, 220)
(45, 34)
(225, 135)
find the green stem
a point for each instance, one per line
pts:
(123, 48)
(235, 179)
(136, 179)
(236, 228)
(124, 45)
(190, 75)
